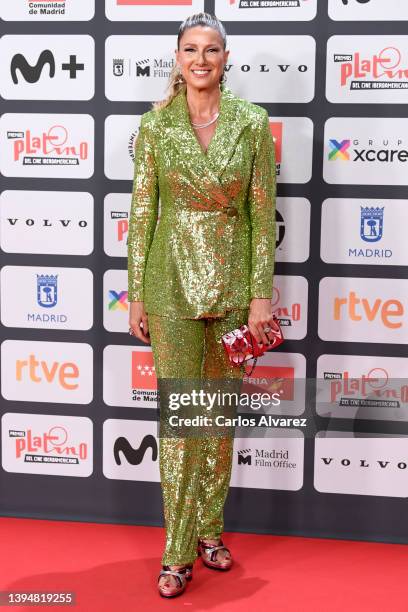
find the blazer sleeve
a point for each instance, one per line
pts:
(262, 207)
(143, 211)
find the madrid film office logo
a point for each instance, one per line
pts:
(244, 457)
(142, 67)
(264, 458)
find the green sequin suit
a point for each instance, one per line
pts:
(201, 245)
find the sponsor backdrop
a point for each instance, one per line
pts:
(78, 394)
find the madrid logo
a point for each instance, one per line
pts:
(47, 290)
(118, 67)
(371, 224)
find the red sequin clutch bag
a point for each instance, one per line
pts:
(240, 345)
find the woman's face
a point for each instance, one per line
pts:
(201, 57)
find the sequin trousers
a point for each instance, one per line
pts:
(195, 471)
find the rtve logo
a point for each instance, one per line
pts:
(363, 309)
(63, 374)
(42, 371)
(386, 312)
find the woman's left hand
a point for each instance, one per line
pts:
(260, 316)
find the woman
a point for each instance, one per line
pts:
(207, 268)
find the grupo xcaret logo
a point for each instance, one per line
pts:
(116, 305)
(339, 149)
(366, 151)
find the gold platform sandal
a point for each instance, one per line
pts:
(208, 553)
(181, 575)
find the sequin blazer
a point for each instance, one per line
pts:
(202, 225)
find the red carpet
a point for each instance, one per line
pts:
(113, 568)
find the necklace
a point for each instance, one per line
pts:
(203, 125)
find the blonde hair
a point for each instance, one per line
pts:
(175, 84)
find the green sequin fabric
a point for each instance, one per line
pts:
(202, 224)
(195, 471)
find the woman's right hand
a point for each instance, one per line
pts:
(137, 316)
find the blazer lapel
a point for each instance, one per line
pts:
(206, 167)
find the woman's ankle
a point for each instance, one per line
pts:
(176, 566)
